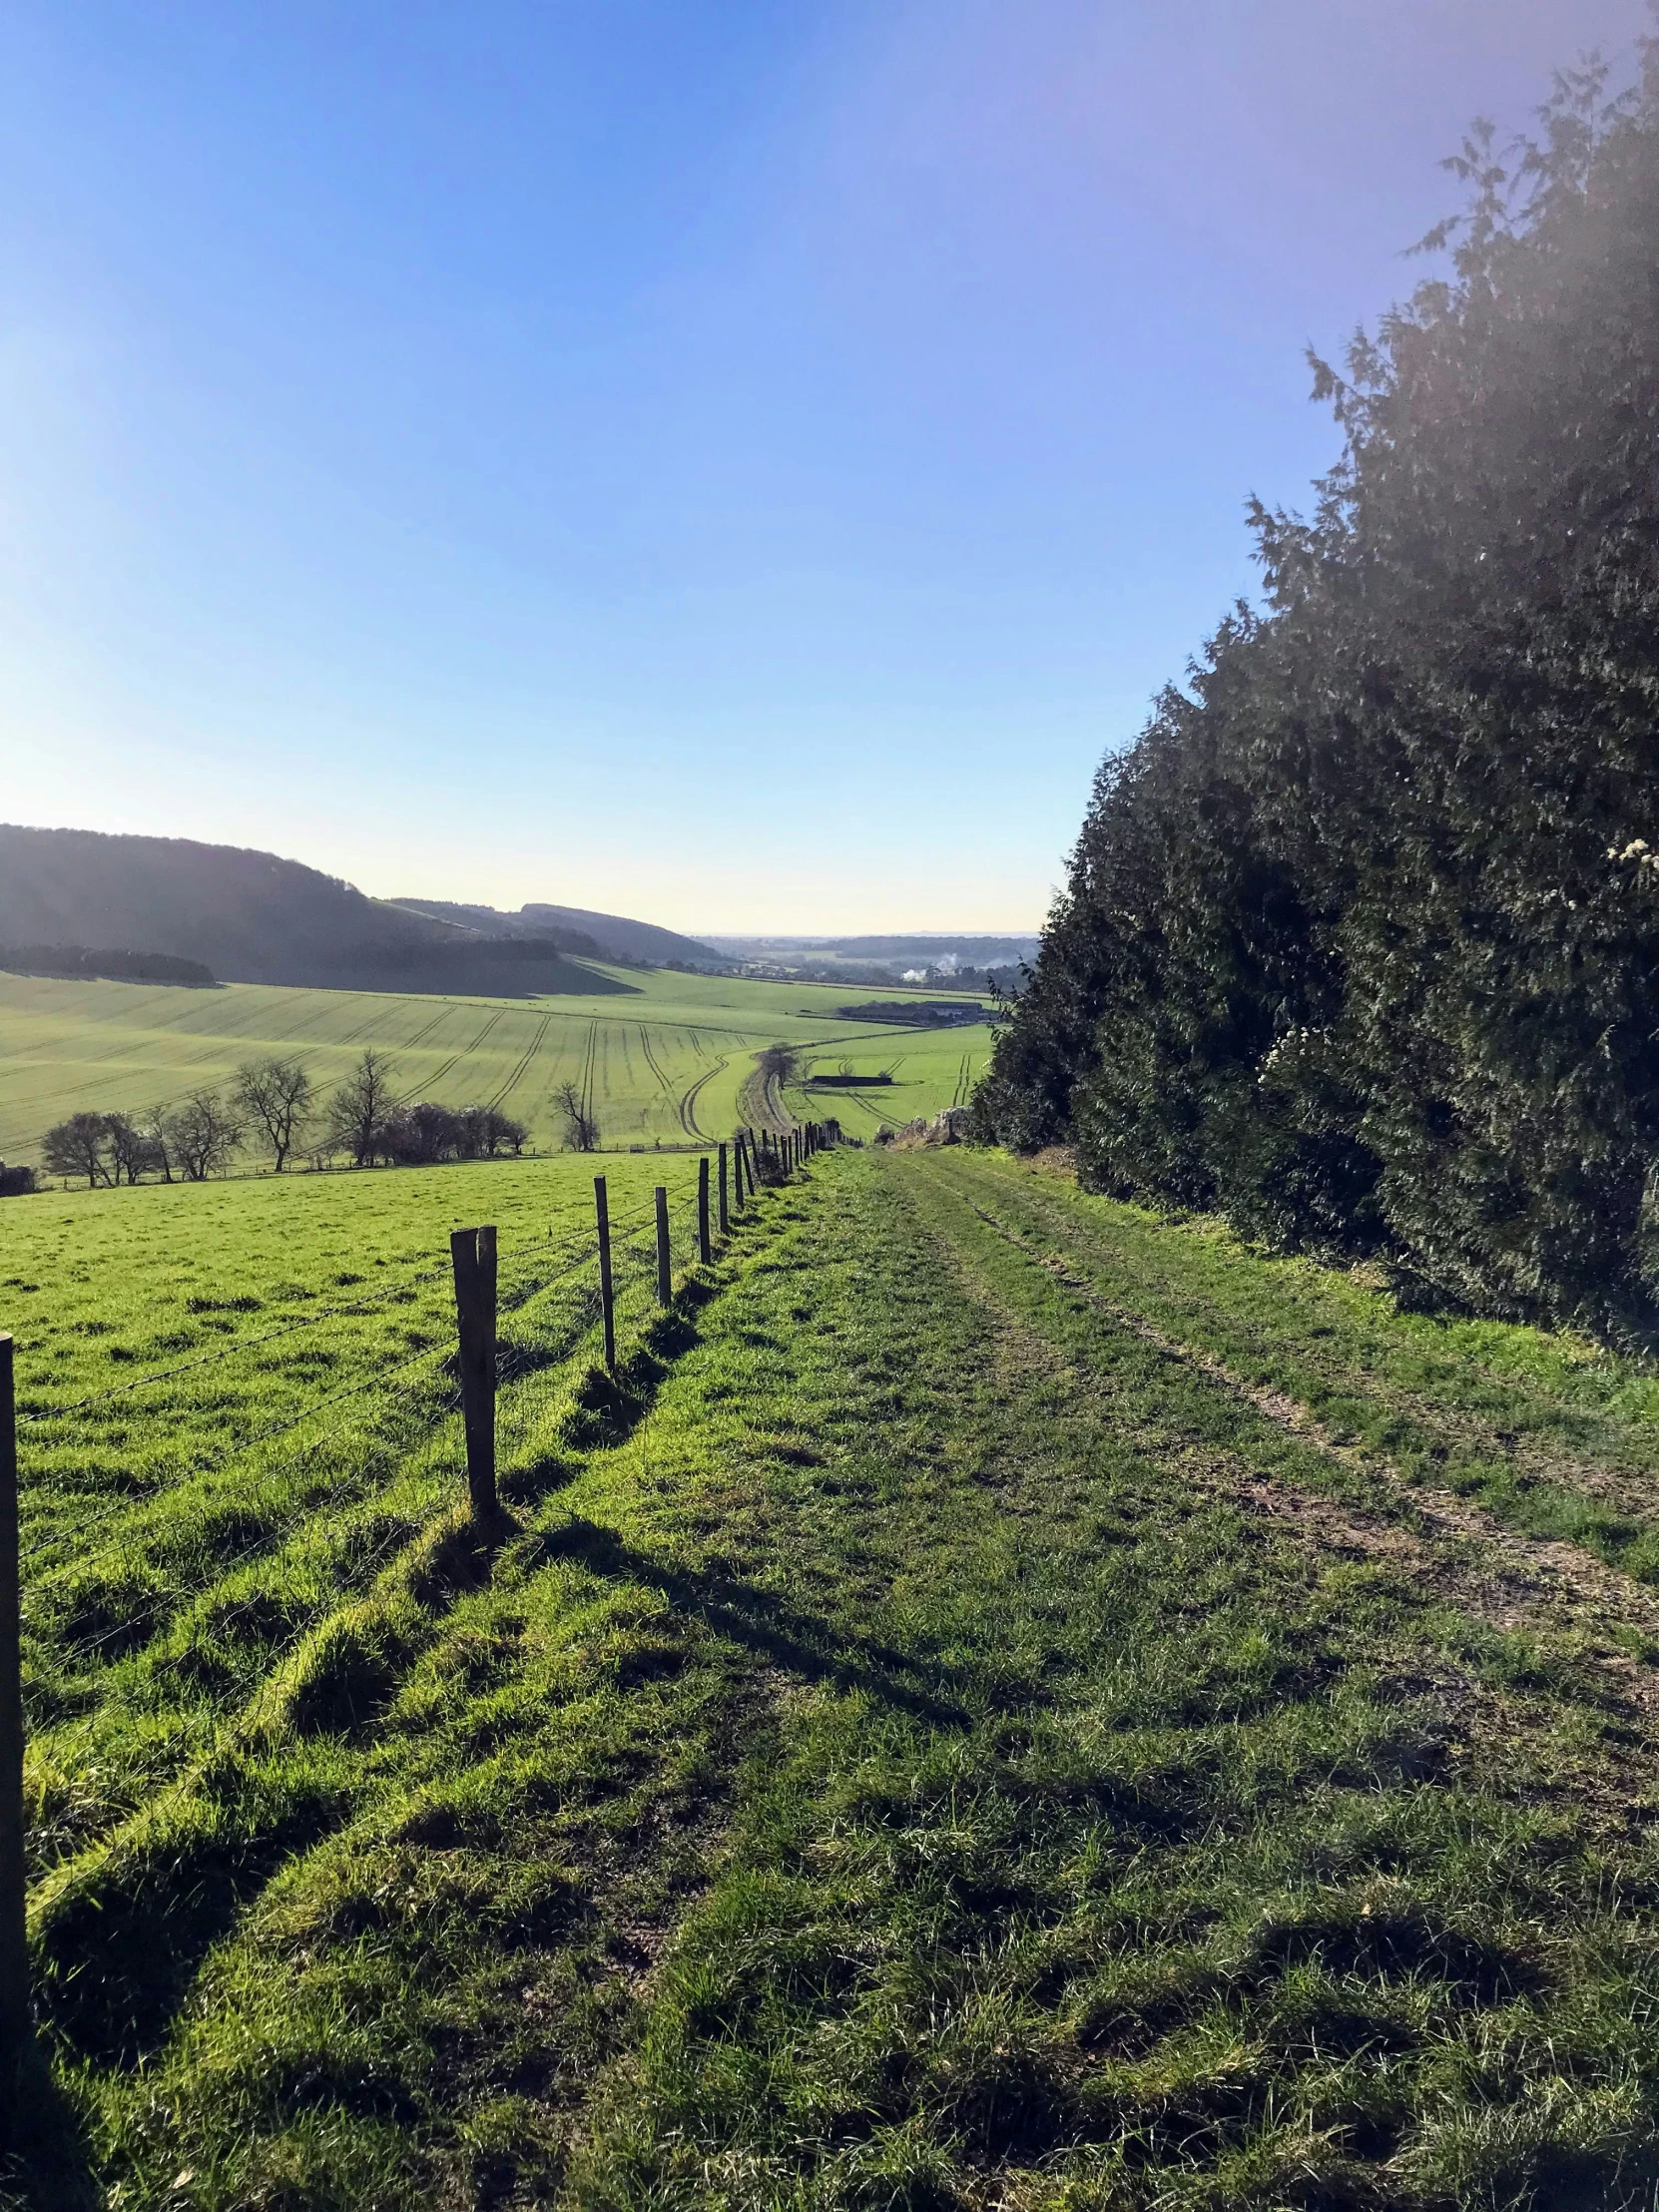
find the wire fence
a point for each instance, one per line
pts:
(635, 1254)
(395, 1403)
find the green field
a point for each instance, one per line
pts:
(930, 1068)
(664, 1059)
(1007, 1702)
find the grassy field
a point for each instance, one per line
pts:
(1007, 1703)
(929, 1069)
(663, 1059)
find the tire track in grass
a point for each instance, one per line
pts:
(655, 1065)
(761, 1102)
(1470, 1555)
(688, 1101)
(1583, 1479)
(589, 1069)
(1461, 1561)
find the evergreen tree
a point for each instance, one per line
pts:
(1361, 941)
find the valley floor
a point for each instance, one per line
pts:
(1012, 1704)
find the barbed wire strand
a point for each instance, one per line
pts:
(282, 1427)
(561, 1357)
(285, 1426)
(230, 1566)
(250, 1343)
(225, 1352)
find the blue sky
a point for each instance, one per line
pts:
(739, 464)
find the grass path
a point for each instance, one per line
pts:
(974, 1721)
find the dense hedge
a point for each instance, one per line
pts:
(1360, 943)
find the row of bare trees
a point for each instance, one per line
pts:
(367, 1121)
(182, 1143)
(273, 1102)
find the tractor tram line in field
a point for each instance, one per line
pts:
(440, 1073)
(212, 1072)
(655, 1065)
(590, 1069)
(522, 1065)
(639, 1059)
(688, 1100)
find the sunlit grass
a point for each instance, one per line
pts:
(867, 1769)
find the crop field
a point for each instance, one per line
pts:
(1005, 1701)
(930, 1069)
(661, 1058)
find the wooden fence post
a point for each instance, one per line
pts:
(15, 2025)
(725, 1215)
(665, 1270)
(607, 1293)
(472, 1252)
(705, 1251)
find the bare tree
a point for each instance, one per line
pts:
(132, 1150)
(497, 1131)
(581, 1129)
(79, 1146)
(156, 1132)
(276, 1094)
(203, 1133)
(360, 1109)
(417, 1136)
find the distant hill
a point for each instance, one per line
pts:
(611, 937)
(254, 918)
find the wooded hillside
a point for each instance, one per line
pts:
(1361, 943)
(252, 917)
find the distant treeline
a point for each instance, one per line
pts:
(82, 962)
(916, 1013)
(1361, 941)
